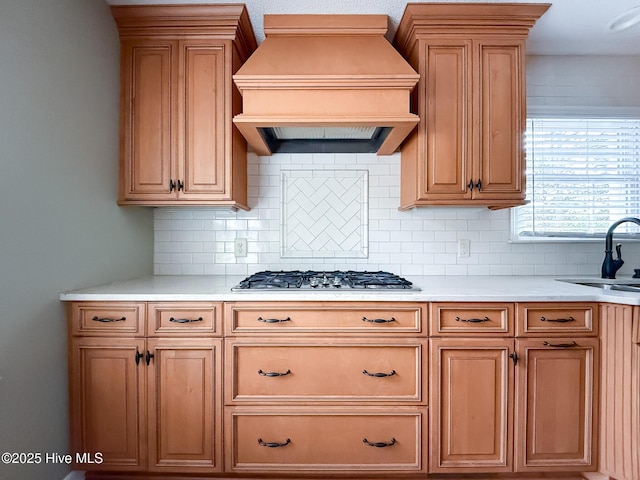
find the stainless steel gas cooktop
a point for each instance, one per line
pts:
(315, 280)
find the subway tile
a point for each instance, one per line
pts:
(193, 225)
(181, 236)
(202, 258)
(500, 270)
(190, 247)
(195, 269)
(543, 269)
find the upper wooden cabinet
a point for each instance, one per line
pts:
(469, 146)
(177, 140)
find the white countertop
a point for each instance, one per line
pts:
(432, 288)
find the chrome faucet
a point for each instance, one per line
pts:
(611, 265)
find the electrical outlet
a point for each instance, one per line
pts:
(240, 247)
(464, 248)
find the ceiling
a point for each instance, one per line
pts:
(570, 27)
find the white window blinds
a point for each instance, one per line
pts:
(582, 175)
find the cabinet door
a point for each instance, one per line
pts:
(147, 115)
(501, 117)
(445, 172)
(107, 401)
(557, 404)
(184, 408)
(470, 409)
(202, 141)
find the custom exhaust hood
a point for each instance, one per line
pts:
(325, 83)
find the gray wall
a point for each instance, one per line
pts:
(60, 227)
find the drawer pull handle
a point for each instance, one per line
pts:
(379, 444)
(378, 320)
(274, 320)
(108, 320)
(560, 345)
(273, 374)
(558, 320)
(185, 320)
(379, 374)
(472, 320)
(273, 444)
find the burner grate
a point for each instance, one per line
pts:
(324, 280)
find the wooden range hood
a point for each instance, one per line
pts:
(325, 83)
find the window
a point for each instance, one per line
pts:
(583, 174)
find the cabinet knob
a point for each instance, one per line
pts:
(138, 357)
(472, 185)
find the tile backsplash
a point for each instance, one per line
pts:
(324, 214)
(200, 241)
(196, 241)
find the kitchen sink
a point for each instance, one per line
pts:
(624, 285)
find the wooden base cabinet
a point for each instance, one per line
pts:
(557, 407)
(324, 388)
(503, 404)
(107, 402)
(184, 414)
(146, 403)
(471, 406)
(353, 389)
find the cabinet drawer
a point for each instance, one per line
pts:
(106, 318)
(550, 319)
(328, 440)
(326, 371)
(318, 317)
(495, 319)
(179, 319)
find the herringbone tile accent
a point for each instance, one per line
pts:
(324, 213)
